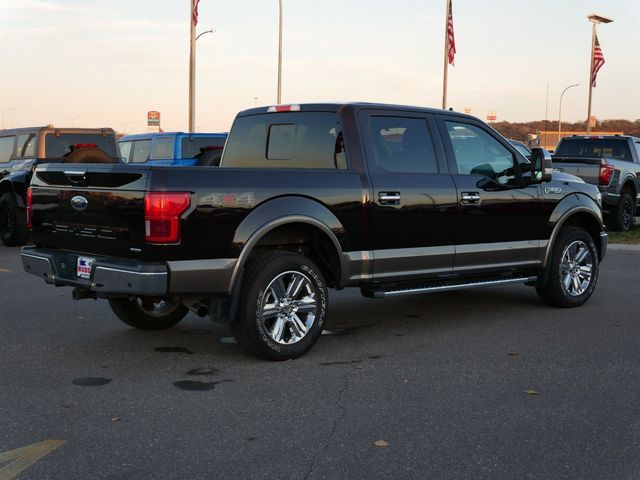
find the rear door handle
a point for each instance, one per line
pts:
(389, 198)
(470, 198)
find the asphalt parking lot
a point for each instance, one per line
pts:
(486, 383)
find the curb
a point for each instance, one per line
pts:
(624, 248)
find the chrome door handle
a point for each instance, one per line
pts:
(470, 198)
(389, 198)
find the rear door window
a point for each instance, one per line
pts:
(286, 140)
(6, 148)
(162, 149)
(403, 145)
(140, 151)
(27, 145)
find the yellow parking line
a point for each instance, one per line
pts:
(22, 458)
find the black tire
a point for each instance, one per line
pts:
(563, 267)
(210, 158)
(89, 155)
(622, 217)
(13, 222)
(148, 313)
(304, 304)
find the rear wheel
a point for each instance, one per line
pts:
(622, 217)
(13, 222)
(572, 272)
(283, 305)
(148, 313)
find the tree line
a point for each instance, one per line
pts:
(519, 131)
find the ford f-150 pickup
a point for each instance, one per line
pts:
(394, 200)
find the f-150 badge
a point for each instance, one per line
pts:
(552, 190)
(245, 199)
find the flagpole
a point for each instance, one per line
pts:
(593, 46)
(279, 93)
(192, 71)
(446, 56)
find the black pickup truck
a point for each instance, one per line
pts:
(395, 200)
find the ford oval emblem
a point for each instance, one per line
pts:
(79, 203)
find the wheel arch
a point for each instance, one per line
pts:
(17, 185)
(579, 211)
(293, 223)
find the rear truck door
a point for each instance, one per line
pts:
(414, 202)
(90, 208)
(499, 220)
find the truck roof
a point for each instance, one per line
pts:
(14, 131)
(598, 137)
(337, 107)
(150, 135)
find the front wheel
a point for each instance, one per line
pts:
(283, 304)
(148, 313)
(572, 271)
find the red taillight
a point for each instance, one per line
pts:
(606, 172)
(29, 208)
(162, 212)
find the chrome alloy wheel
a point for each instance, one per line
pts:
(288, 307)
(576, 268)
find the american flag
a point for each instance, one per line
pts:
(451, 41)
(598, 61)
(195, 11)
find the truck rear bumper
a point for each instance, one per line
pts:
(131, 277)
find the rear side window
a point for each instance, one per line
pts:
(403, 145)
(6, 148)
(140, 151)
(193, 147)
(286, 140)
(27, 145)
(162, 149)
(595, 148)
(57, 146)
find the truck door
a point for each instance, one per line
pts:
(414, 202)
(499, 218)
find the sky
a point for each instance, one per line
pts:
(106, 63)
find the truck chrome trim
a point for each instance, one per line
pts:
(445, 288)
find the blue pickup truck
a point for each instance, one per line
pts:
(173, 148)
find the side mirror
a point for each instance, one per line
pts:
(542, 166)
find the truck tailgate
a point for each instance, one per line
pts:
(90, 208)
(588, 169)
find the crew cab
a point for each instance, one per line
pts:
(173, 148)
(395, 200)
(612, 162)
(21, 149)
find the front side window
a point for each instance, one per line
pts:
(403, 144)
(286, 140)
(6, 148)
(479, 153)
(125, 151)
(27, 145)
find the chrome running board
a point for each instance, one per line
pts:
(442, 287)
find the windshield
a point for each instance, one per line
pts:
(617, 148)
(57, 146)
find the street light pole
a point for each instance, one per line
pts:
(560, 110)
(6, 110)
(279, 95)
(595, 20)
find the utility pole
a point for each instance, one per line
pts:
(279, 94)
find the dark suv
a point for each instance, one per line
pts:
(21, 149)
